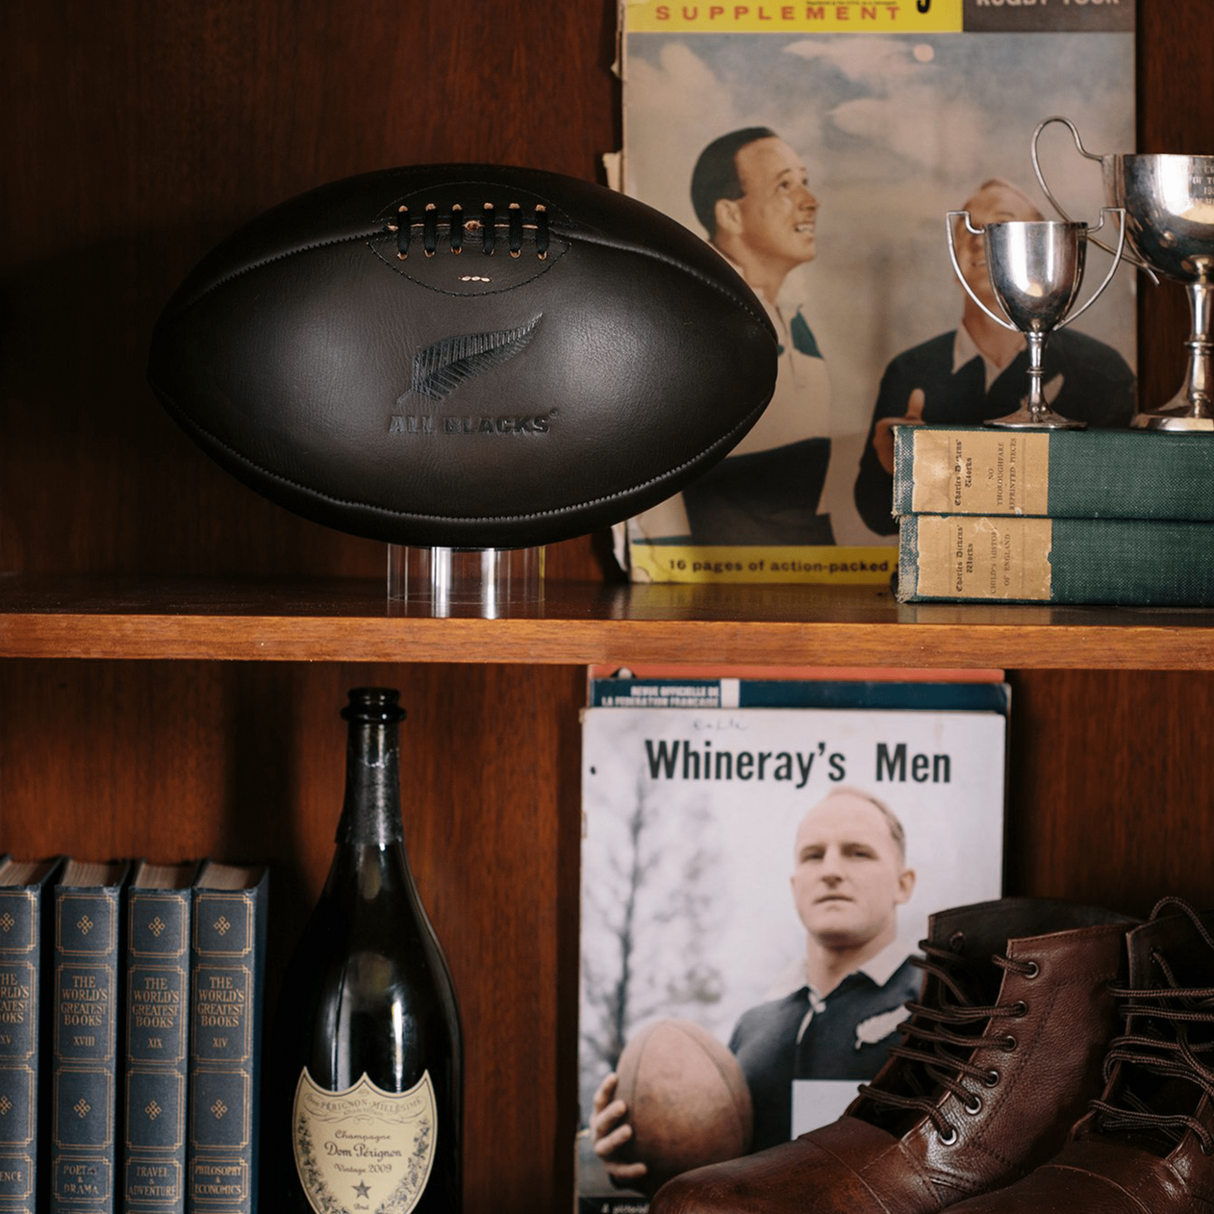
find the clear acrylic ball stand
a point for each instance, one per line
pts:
(486, 583)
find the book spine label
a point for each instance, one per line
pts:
(85, 1040)
(972, 472)
(19, 1012)
(968, 557)
(157, 1035)
(222, 1061)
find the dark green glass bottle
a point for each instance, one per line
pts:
(367, 1048)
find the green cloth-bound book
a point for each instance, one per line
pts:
(1061, 560)
(1140, 474)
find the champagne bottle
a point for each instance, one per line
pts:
(368, 1046)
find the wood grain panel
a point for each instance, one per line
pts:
(137, 134)
(1110, 780)
(582, 622)
(246, 761)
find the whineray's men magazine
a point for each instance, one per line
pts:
(767, 873)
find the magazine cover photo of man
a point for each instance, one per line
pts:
(751, 193)
(833, 1026)
(894, 135)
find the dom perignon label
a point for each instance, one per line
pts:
(364, 1149)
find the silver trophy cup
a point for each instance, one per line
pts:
(1036, 270)
(1169, 207)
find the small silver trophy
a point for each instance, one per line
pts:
(1169, 206)
(1036, 270)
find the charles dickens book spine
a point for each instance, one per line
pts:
(227, 962)
(24, 935)
(1145, 474)
(157, 1036)
(1132, 562)
(87, 1011)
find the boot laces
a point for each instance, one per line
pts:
(1174, 1040)
(939, 1040)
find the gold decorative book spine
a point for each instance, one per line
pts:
(24, 937)
(227, 974)
(157, 1034)
(88, 946)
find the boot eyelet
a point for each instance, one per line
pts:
(948, 1138)
(973, 1105)
(1020, 1009)
(1032, 970)
(991, 1078)
(1008, 1044)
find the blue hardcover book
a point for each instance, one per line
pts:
(87, 1002)
(227, 975)
(24, 940)
(159, 908)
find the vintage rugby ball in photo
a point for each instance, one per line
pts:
(464, 356)
(688, 1101)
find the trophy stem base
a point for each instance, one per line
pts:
(484, 583)
(1028, 419)
(1182, 418)
(1192, 408)
(1035, 413)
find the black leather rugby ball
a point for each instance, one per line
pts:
(464, 356)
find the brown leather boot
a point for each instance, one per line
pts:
(1147, 1145)
(995, 1064)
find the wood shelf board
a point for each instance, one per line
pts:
(351, 620)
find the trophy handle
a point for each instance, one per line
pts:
(1108, 278)
(1041, 181)
(952, 253)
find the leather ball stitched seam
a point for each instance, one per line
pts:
(555, 512)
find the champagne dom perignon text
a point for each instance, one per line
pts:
(368, 1041)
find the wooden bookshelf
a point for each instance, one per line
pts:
(581, 623)
(174, 650)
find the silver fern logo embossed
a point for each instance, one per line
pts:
(444, 366)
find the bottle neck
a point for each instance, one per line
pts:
(370, 815)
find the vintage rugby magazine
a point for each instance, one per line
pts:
(899, 110)
(691, 821)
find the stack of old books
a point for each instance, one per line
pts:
(1055, 516)
(130, 1035)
